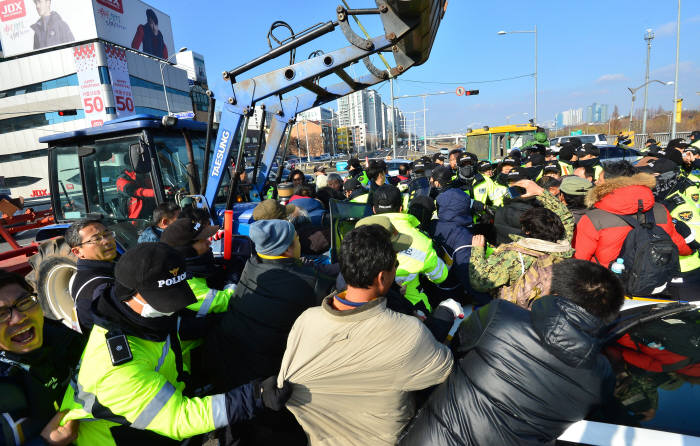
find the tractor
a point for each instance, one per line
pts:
(176, 160)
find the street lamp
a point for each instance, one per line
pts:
(162, 64)
(649, 36)
(634, 91)
(534, 31)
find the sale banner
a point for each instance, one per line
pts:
(121, 85)
(85, 57)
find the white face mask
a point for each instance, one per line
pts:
(150, 312)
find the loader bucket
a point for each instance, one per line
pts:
(423, 17)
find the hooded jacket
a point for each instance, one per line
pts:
(453, 234)
(600, 235)
(522, 377)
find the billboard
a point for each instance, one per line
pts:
(30, 25)
(136, 25)
(91, 93)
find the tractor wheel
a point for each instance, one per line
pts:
(53, 268)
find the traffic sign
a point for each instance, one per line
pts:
(460, 91)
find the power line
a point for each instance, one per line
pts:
(469, 82)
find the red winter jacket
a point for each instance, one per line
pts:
(600, 236)
(129, 184)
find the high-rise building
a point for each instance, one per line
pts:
(363, 110)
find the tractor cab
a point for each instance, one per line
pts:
(121, 171)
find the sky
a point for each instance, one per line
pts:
(588, 52)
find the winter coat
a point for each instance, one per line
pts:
(52, 31)
(90, 274)
(600, 235)
(506, 220)
(453, 234)
(353, 372)
(271, 294)
(522, 377)
(150, 234)
(504, 266)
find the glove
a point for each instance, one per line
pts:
(272, 396)
(454, 307)
(477, 206)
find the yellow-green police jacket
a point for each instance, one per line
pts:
(420, 258)
(689, 214)
(488, 190)
(143, 393)
(209, 300)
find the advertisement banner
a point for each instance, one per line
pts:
(29, 25)
(121, 85)
(85, 57)
(134, 24)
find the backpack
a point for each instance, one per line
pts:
(533, 283)
(650, 256)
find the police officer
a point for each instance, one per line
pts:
(671, 192)
(485, 168)
(131, 384)
(420, 257)
(354, 192)
(505, 166)
(191, 239)
(355, 171)
(567, 158)
(479, 187)
(588, 156)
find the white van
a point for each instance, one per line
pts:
(597, 140)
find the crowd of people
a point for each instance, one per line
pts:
(173, 344)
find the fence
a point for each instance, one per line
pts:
(661, 138)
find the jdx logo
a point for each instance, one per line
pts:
(219, 159)
(12, 9)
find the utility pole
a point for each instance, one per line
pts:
(393, 116)
(425, 132)
(649, 36)
(675, 85)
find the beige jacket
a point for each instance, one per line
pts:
(353, 372)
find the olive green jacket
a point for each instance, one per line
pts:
(504, 266)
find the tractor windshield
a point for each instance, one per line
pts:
(106, 184)
(175, 159)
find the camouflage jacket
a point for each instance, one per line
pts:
(504, 266)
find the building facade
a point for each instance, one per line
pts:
(41, 94)
(362, 111)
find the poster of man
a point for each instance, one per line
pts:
(50, 29)
(30, 25)
(148, 37)
(136, 25)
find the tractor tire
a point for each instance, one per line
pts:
(53, 268)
